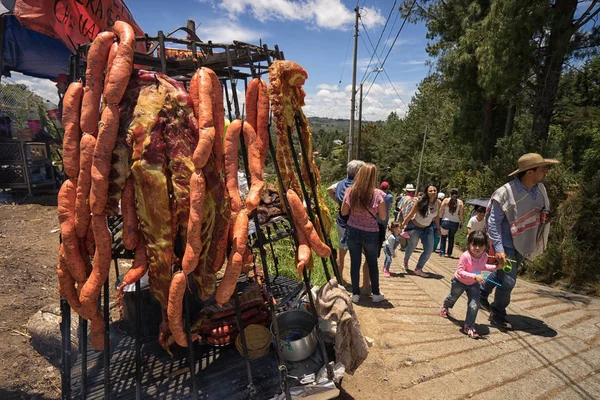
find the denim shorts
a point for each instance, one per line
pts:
(341, 232)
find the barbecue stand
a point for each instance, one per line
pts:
(138, 367)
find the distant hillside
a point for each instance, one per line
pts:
(341, 125)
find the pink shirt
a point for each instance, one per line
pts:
(360, 217)
(467, 265)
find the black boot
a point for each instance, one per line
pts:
(499, 321)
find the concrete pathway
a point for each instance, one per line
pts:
(552, 353)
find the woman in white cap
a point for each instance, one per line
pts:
(518, 228)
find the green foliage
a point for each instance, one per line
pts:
(502, 63)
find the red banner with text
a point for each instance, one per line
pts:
(74, 22)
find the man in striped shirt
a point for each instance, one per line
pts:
(517, 228)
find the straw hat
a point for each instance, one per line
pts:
(409, 188)
(532, 160)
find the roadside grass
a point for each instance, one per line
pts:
(285, 253)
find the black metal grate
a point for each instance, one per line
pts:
(11, 174)
(10, 152)
(220, 371)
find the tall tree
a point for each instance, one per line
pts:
(454, 31)
(492, 50)
(555, 49)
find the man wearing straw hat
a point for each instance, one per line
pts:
(517, 227)
(407, 198)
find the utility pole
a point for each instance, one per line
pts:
(353, 99)
(360, 101)
(421, 160)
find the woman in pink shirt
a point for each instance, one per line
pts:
(467, 278)
(366, 206)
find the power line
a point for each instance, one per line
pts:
(345, 59)
(391, 31)
(393, 43)
(398, 34)
(378, 41)
(378, 70)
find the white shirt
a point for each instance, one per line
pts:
(476, 225)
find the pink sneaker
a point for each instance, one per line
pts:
(470, 331)
(386, 274)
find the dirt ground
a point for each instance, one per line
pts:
(28, 242)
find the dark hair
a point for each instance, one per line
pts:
(453, 201)
(477, 238)
(522, 173)
(423, 204)
(479, 209)
(394, 225)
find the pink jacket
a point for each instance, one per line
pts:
(468, 265)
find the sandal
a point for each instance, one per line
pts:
(444, 312)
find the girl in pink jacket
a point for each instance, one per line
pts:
(467, 278)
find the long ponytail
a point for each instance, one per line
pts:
(453, 204)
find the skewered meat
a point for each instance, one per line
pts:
(287, 99)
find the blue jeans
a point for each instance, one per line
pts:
(359, 241)
(508, 281)
(473, 296)
(436, 238)
(452, 228)
(388, 258)
(426, 236)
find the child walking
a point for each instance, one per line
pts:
(389, 247)
(467, 279)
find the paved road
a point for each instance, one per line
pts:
(552, 353)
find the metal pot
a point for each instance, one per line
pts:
(297, 334)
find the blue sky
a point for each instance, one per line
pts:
(318, 35)
(315, 33)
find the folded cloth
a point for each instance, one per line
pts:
(334, 304)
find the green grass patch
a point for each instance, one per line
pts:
(284, 251)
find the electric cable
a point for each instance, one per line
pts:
(363, 79)
(392, 46)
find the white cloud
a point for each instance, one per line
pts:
(226, 31)
(399, 42)
(328, 87)
(382, 99)
(42, 87)
(413, 62)
(328, 14)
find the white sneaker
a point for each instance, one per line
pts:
(378, 298)
(355, 298)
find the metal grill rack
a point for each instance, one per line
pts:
(135, 366)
